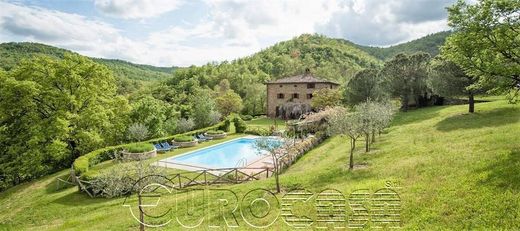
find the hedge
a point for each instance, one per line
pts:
(139, 147)
(183, 138)
(240, 125)
(82, 164)
(257, 131)
(213, 132)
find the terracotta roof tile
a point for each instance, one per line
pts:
(305, 78)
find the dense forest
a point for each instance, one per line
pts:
(129, 76)
(429, 44)
(83, 104)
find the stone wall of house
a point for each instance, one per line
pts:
(288, 90)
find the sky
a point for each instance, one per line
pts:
(195, 32)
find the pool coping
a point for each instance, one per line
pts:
(189, 167)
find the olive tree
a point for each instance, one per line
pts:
(273, 147)
(137, 132)
(375, 116)
(345, 123)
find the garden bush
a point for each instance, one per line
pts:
(139, 147)
(240, 125)
(213, 132)
(183, 138)
(257, 131)
(225, 125)
(246, 117)
(81, 164)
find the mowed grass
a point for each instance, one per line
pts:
(266, 123)
(452, 170)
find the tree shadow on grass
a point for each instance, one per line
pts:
(416, 115)
(492, 118)
(505, 173)
(57, 186)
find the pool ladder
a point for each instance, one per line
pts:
(241, 163)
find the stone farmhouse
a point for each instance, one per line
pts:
(294, 92)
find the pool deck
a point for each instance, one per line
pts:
(257, 166)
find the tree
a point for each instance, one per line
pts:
(343, 122)
(203, 106)
(185, 125)
(255, 99)
(229, 102)
(154, 114)
(51, 111)
(448, 79)
(406, 76)
(137, 132)
(366, 84)
(375, 116)
(485, 42)
(272, 147)
(223, 87)
(325, 97)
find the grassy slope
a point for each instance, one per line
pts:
(457, 171)
(264, 122)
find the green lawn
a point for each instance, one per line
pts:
(455, 171)
(266, 123)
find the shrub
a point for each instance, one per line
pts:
(213, 132)
(139, 147)
(81, 164)
(257, 131)
(170, 126)
(246, 117)
(137, 132)
(240, 125)
(225, 125)
(214, 117)
(120, 181)
(185, 125)
(183, 138)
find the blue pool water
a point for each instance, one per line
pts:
(225, 155)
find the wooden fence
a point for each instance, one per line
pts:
(193, 178)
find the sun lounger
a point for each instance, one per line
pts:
(160, 148)
(199, 139)
(166, 145)
(201, 136)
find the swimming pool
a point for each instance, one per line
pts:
(235, 153)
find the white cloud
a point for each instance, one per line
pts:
(70, 31)
(269, 19)
(230, 29)
(136, 9)
(374, 22)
